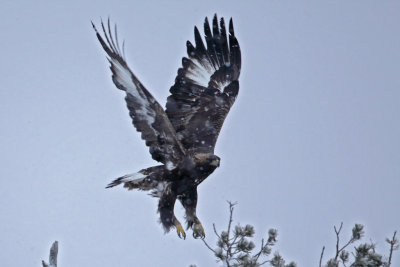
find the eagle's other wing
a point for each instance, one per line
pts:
(147, 115)
(205, 87)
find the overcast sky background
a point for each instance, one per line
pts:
(312, 140)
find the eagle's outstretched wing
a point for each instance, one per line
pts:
(147, 115)
(205, 87)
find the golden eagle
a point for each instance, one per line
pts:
(182, 137)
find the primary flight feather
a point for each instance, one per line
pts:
(182, 137)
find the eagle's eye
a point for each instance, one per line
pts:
(215, 162)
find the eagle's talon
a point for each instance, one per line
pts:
(180, 231)
(198, 231)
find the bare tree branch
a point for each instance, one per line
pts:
(215, 231)
(52, 257)
(229, 246)
(394, 244)
(337, 239)
(210, 248)
(322, 255)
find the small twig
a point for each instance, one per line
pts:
(337, 239)
(215, 231)
(322, 255)
(393, 246)
(235, 250)
(264, 262)
(205, 243)
(231, 205)
(229, 247)
(262, 248)
(348, 243)
(352, 239)
(234, 241)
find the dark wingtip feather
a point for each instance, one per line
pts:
(215, 20)
(196, 32)
(116, 39)
(106, 36)
(94, 27)
(235, 53)
(114, 48)
(110, 46)
(206, 21)
(190, 49)
(222, 23)
(224, 38)
(199, 42)
(231, 30)
(215, 26)
(102, 42)
(211, 49)
(207, 29)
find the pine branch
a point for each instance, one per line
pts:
(234, 246)
(357, 234)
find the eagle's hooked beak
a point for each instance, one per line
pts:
(215, 163)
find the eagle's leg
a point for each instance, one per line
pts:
(189, 202)
(166, 210)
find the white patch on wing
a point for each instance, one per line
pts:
(222, 85)
(123, 76)
(201, 72)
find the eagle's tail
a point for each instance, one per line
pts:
(146, 179)
(134, 179)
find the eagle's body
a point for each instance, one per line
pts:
(183, 136)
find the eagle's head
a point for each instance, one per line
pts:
(207, 160)
(214, 161)
(199, 165)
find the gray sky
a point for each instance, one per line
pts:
(312, 140)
